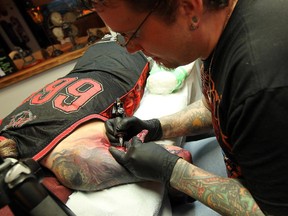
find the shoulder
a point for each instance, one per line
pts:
(251, 54)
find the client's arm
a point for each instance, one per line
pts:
(82, 160)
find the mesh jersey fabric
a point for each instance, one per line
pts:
(104, 73)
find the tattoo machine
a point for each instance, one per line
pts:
(118, 111)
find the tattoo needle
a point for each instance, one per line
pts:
(119, 112)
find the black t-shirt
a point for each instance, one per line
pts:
(249, 99)
(104, 73)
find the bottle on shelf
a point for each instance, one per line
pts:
(7, 66)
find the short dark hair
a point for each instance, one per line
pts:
(216, 4)
(166, 9)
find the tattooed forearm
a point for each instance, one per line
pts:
(224, 195)
(89, 168)
(194, 119)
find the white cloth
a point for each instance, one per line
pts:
(137, 199)
(158, 105)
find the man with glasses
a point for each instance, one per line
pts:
(243, 46)
(124, 39)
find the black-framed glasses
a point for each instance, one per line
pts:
(123, 40)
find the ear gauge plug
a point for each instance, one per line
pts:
(194, 24)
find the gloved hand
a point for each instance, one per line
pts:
(148, 161)
(130, 127)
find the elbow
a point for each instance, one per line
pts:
(70, 177)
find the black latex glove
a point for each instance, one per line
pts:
(147, 161)
(130, 127)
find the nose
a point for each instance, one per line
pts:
(133, 47)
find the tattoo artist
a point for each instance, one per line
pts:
(243, 45)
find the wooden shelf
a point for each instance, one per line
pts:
(40, 67)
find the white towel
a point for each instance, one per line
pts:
(137, 199)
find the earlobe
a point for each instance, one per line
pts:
(192, 9)
(194, 23)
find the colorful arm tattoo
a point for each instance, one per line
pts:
(88, 166)
(193, 120)
(225, 195)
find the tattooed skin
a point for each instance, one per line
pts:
(193, 120)
(89, 167)
(225, 195)
(83, 162)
